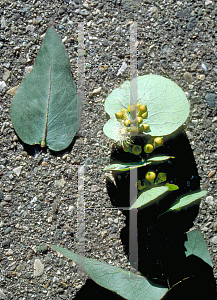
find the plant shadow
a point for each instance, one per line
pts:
(160, 240)
(161, 251)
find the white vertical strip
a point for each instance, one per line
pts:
(133, 245)
(81, 222)
(81, 202)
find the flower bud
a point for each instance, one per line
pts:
(139, 120)
(148, 148)
(136, 149)
(145, 115)
(144, 127)
(142, 109)
(138, 105)
(126, 148)
(158, 141)
(150, 176)
(119, 115)
(127, 122)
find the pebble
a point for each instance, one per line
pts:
(211, 173)
(200, 77)
(2, 85)
(210, 98)
(214, 239)
(7, 198)
(17, 170)
(3, 23)
(42, 249)
(122, 68)
(6, 243)
(27, 70)
(104, 233)
(60, 183)
(30, 28)
(62, 9)
(95, 188)
(38, 268)
(95, 92)
(6, 75)
(203, 66)
(2, 295)
(8, 230)
(188, 77)
(49, 219)
(208, 2)
(141, 63)
(35, 22)
(114, 229)
(15, 138)
(194, 66)
(9, 252)
(209, 200)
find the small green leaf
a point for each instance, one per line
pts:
(186, 201)
(196, 245)
(128, 285)
(125, 166)
(149, 197)
(172, 187)
(45, 109)
(128, 166)
(159, 158)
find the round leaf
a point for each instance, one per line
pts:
(167, 105)
(45, 109)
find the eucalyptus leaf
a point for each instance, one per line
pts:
(159, 158)
(128, 166)
(149, 197)
(167, 105)
(196, 245)
(45, 109)
(186, 201)
(125, 166)
(128, 285)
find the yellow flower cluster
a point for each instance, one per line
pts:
(141, 114)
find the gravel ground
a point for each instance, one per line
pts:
(38, 189)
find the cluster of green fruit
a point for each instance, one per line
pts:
(141, 113)
(151, 179)
(148, 148)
